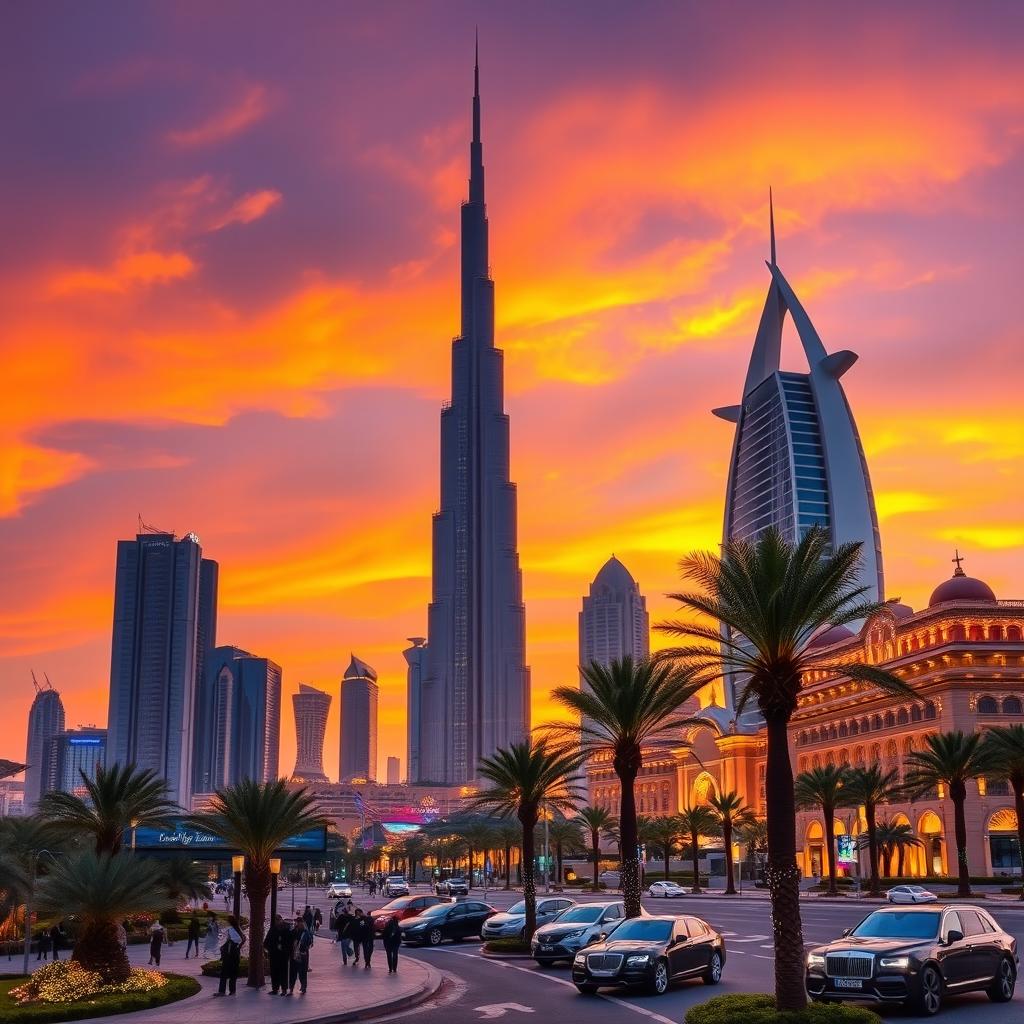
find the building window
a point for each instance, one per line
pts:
(995, 632)
(987, 706)
(929, 711)
(902, 718)
(997, 787)
(915, 713)
(1012, 706)
(1013, 633)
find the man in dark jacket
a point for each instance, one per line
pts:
(193, 935)
(392, 938)
(302, 941)
(362, 936)
(278, 945)
(343, 925)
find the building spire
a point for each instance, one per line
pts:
(771, 222)
(476, 152)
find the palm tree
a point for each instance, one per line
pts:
(623, 708)
(664, 833)
(564, 833)
(184, 879)
(753, 833)
(894, 839)
(950, 760)
(598, 821)
(120, 799)
(867, 788)
(1006, 752)
(825, 788)
(415, 847)
(255, 818)
(695, 822)
(522, 778)
(774, 598)
(101, 890)
(732, 813)
(508, 833)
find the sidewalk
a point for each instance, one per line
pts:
(335, 993)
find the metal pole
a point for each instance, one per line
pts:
(547, 855)
(273, 900)
(307, 883)
(238, 895)
(292, 887)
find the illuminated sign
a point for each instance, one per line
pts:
(180, 837)
(847, 852)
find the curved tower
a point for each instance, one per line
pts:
(474, 695)
(357, 758)
(311, 706)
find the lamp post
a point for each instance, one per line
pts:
(275, 870)
(238, 866)
(547, 854)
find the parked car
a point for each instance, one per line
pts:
(339, 890)
(512, 923)
(910, 894)
(454, 886)
(402, 908)
(652, 953)
(667, 889)
(395, 885)
(916, 956)
(610, 879)
(577, 927)
(446, 921)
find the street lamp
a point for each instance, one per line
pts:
(275, 870)
(238, 866)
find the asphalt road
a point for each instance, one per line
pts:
(483, 989)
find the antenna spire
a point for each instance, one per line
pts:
(771, 222)
(476, 156)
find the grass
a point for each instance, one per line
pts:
(178, 987)
(760, 1009)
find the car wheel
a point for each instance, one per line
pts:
(435, 937)
(586, 990)
(659, 986)
(713, 975)
(927, 1001)
(1003, 983)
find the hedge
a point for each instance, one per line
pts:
(506, 946)
(760, 1009)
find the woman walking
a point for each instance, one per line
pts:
(302, 940)
(211, 944)
(363, 937)
(156, 941)
(392, 938)
(230, 955)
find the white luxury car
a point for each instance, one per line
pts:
(667, 889)
(910, 894)
(337, 890)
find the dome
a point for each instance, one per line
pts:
(615, 576)
(831, 636)
(961, 588)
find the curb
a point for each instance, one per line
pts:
(430, 987)
(504, 956)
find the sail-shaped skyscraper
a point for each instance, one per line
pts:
(474, 696)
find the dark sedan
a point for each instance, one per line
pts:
(916, 955)
(446, 921)
(402, 908)
(652, 953)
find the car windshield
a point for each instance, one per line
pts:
(647, 931)
(438, 909)
(401, 904)
(900, 924)
(517, 908)
(581, 915)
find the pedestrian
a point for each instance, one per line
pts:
(230, 955)
(354, 932)
(392, 938)
(57, 939)
(343, 926)
(156, 941)
(278, 945)
(307, 916)
(363, 937)
(302, 941)
(211, 944)
(43, 945)
(318, 919)
(193, 935)
(373, 886)
(122, 936)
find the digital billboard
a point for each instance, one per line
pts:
(181, 837)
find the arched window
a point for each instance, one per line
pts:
(995, 632)
(1013, 633)
(816, 761)
(929, 710)
(876, 722)
(854, 727)
(858, 756)
(833, 732)
(891, 752)
(830, 758)
(843, 730)
(902, 718)
(908, 745)
(1012, 706)
(976, 633)
(865, 725)
(987, 706)
(876, 752)
(844, 756)
(890, 719)
(957, 634)
(915, 713)
(915, 643)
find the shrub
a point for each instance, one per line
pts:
(760, 1009)
(67, 981)
(507, 946)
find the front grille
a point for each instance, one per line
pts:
(848, 965)
(604, 961)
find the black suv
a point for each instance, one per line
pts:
(651, 952)
(916, 955)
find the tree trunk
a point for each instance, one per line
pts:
(900, 861)
(508, 865)
(97, 949)
(257, 884)
(528, 819)
(730, 879)
(626, 768)
(830, 846)
(668, 854)
(558, 862)
(869, 815)
(958, 794)
(695, 853)
(1018, 800)
(783, 876)
(595, 844)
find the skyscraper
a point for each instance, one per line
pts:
(797, 459)
(614, 622)
(359, 696)
(311, 706)
(238, 727)
(79, 751)
(475, 691)
(394, 771)
(415, 657)
(155, 654)
(45, 721)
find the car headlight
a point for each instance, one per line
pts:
(639, 960)
(897, 963)
(815, 960)
(581, 958)
(574, 934)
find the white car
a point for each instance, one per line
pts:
(395, 885)
(910, 894)
(339, 890)
(667, 889)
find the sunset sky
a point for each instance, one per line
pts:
(228, 287)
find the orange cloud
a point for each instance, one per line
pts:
(137, 268)
(249, 207)
(238, 116)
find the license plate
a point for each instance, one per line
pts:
(848, 982)
(546, 949)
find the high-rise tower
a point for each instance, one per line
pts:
(357, 758)
(415, 657)
(797, 459)
(475, 691)
(311, 706)
(45, 721)
(614, 622)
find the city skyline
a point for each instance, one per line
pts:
(628, 198)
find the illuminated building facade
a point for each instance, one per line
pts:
(360, 695)
(79, 752)
(311, 707)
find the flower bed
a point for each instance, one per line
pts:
(760, 1009)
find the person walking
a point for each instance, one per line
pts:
(343, 926)
(318, 919)
(56, 939)
(363, 937)
(392, 939)
(278, 945)
(43, 945)
(307, 916)
(211, 944)
(193, 935)
(156, 941)
(230, 955)
(302, 942)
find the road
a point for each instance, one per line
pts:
(517, 990)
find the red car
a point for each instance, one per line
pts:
(403, 907)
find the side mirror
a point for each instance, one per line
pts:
(599, 938)
(953, 936)
(846, 931)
